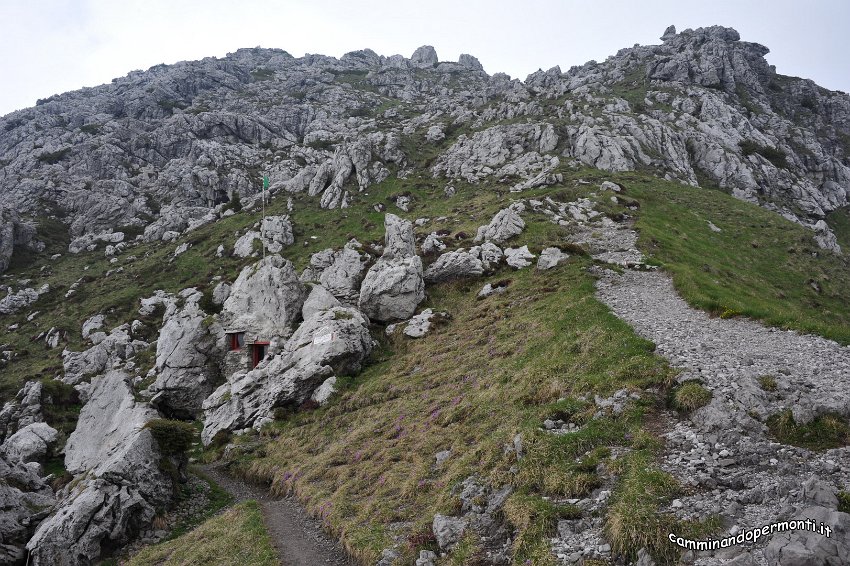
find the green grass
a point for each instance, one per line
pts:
(760, 265)
(237, 537)
(690, 396)
(839, 221)
(634, 519)
(498, 369)
(767, 383)
(823, 433)
(844, 501)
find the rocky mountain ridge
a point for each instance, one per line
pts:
(155, 152)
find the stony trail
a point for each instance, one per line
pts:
(297, 537)
(723, 452)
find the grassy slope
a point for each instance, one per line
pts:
(760, 265)
(237, 537)
(498, 368)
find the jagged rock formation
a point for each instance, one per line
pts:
(108, 351)
(333, 341)
(187, 354)
(340, 272)
(458, 264)
(15, 233)
(121, 479)
(394, 286)
(265, 299)
(163, 149)
(26, 500)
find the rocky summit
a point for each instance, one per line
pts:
(452, 317)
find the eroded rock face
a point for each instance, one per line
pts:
(24, 410)
(15, 233)
(15, 301)
(506, 224)
(110, 417)
(31, 443)
(276, 232)
(187, 354)
(108, 351)
(340, 272)
(458, 264)
(26, 500)
(394, 286)
(265, 299)
(121, 485)
(332, 341)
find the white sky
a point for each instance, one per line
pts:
(53, 46)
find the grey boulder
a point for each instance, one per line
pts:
(506, 224)
(551, 257)
(265, 299)
(394, 286)
(26, 500)
(458, 264)
(31, 443)
(187, 352)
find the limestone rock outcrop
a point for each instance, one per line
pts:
(458, 264)
(506, 224)
(121, 484)
(109, 350)
(27, 499)
(340, 272)
(187, 354)
(394, 286)
(265, 300)
(333, 341)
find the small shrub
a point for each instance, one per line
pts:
(52, 158)
(343, 315)
(775, 156)
(90, 128)
(173, 437)
(767, 382)
(209, 306)
(261, 74)
(844, 501)
(691, 396)
(321, 144)
(235, 203)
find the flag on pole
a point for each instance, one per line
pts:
(265, 182)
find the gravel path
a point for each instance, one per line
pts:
(298, 538)
(722, 453)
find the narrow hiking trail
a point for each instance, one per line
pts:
(297, 537)
(722, 453)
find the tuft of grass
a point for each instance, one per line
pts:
(767, 382)
(824, 432)
(237, 537)
(534, 520)
(634, 519)
(690, 396)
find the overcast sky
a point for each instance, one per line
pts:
(52, 46)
